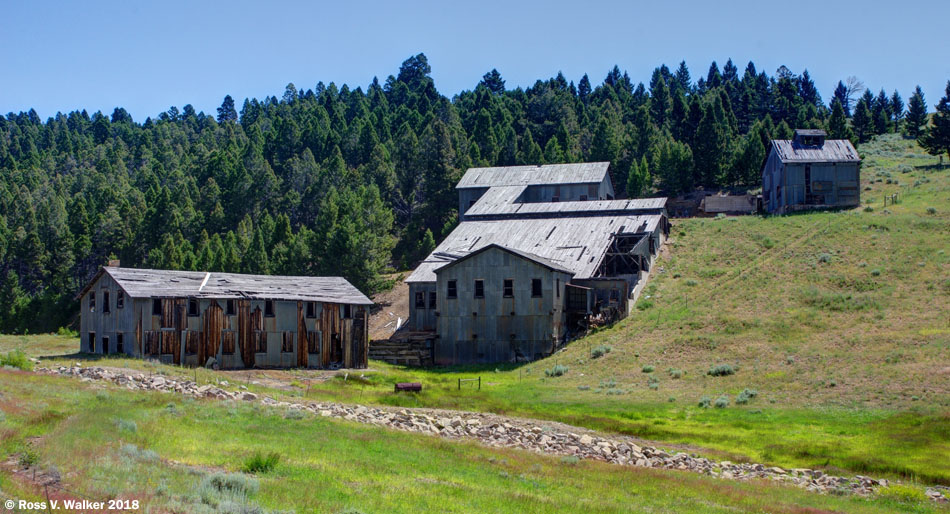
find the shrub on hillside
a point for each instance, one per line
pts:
(126, 425)
(67, 332)
(704, 402)
(722, 370)
(745, 396)
(722, 402)
(260, 462)
(675, 373)
(931, 210)
(648, 369)
(600, 351)
(16, 359)
(556, 371)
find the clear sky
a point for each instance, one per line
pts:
(148, 56)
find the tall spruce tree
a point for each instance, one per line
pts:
(916, 114)
(936, 138)
(863, 122)
(837, 123)
(227, 112)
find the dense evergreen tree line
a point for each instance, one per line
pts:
(341, 181)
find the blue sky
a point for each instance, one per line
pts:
(146, 57)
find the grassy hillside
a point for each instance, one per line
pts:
(839, 321)
(181, 455)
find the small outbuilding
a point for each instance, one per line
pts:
(232, 320)
(810, 172)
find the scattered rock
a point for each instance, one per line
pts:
(511, 433)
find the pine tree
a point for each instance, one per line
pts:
(672, 164)
(660, 103)
(897, 108)
(916, 114)
(936, 138)
(638, 179)
(227, 112)
(841, 94)
(837, 123)
(583, 88)
(863, 122)
(493, 81)
(881, 113)
(683, 82)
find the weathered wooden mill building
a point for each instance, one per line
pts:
(539, 250)
(240, 321)
(811, 172)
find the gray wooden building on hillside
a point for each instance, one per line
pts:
(240, 321)
(538, 252)
(810, 172)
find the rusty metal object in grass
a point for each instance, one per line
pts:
(414, 387)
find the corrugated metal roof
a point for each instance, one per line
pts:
(576, 244)
(148, 283)
(525, 255)
(499, 201)
(834, 150)
(573, 173)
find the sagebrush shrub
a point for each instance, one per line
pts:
(556, 371)
(721, 370)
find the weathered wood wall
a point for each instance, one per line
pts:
(232, 340)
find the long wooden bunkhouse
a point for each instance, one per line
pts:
(229, 320)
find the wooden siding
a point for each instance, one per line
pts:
(177, 338)
(496, 328)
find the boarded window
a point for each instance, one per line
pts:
(227, 342)
(260, 341)
(508, 289)
(479, 288)
(192, 340)
(105, 302)
(420, 300)
(453, 290)
(311, 309)
(92, 301)
(92, 342)
(105, 344)
(269, 308)
(120, 343)
(432, 299)
(287, 342)
(229, 306)
(192, 307)
(313, 342)
(157, 307)
(536, 287)
(119, 299)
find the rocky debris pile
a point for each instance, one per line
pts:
(492, 430)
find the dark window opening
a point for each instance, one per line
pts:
(156, 307)
(583, 198)
(192, 307)
(420, 300)
(119, 300)
(614, 295)
(432, 298)
(92, 301)
(229, 307)
(347, 311)
(557, 287)
(287, 342)
(92, 342)
(269, 308)
(509, 288)
(313, 342)
(453, 289)
(479, 288)
(311, 309)
(536, 287)
(105, 344)
(555, 198)
(105, 302)
(120, 343)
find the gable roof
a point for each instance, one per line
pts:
(572, 173)
(833, 150)
(500, 201)
(577, 244)
(150, 283)
(547, 263)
